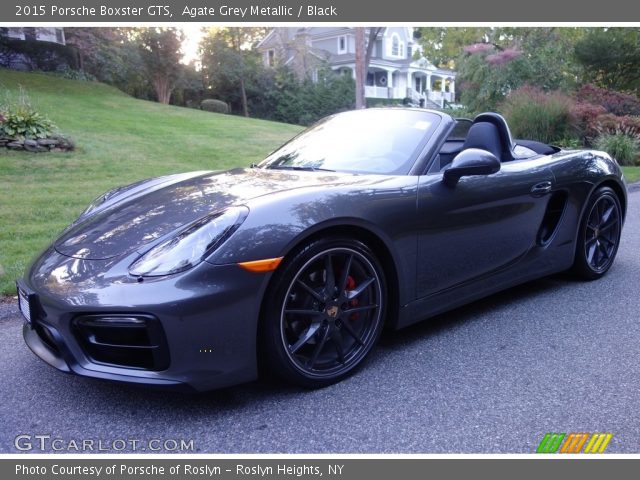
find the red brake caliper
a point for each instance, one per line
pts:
(351, 285)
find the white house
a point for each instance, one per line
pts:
(42, 34)
(12, 57)
(397, 69)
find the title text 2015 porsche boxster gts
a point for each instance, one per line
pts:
(369, 218)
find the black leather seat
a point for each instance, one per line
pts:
(486, 136)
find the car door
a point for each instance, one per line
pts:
(482, 224)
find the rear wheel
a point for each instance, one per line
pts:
(599, 234)
(324, 313)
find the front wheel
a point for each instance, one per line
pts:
(324, 313)
(599, 234)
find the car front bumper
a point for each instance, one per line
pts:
(208, 318)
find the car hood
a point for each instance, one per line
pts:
(134, 221)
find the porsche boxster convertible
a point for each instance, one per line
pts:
(369, 219)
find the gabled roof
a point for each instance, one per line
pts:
(316, 33)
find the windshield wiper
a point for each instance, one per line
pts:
(298, 167)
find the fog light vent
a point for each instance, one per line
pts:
(132, 341)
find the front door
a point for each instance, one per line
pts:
(481, 225)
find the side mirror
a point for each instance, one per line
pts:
(472, 161)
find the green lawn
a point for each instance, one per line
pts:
(631, 174)
(119, 140)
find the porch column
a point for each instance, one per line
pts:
(442, 82)
(389, 79)
(428, 81)
(452, 90)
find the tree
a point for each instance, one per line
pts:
(542, 57)
(611, 58)
(361, 68)
(160, 50)
(364, 49)
(227, 57)
(443, 45)
(89, 43)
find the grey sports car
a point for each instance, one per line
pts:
(370, 218)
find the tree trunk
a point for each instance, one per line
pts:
(361, 73)
(163, 89)
(373, 35)
(243, 93)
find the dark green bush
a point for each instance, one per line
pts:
(538, 115)
(383, 102)
(213, 105)
(623, 148)
(307, 102)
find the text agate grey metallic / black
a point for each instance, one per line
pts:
(370, 218)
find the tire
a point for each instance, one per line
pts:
(324, 312)
(599, 235)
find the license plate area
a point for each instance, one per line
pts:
(25, 303)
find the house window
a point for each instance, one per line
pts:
(15, 33)
(397, 47)
(271, 57)
(342, 44)
(60, 36)
(45, 34)
(29, 33)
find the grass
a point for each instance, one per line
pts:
(118, 140)
(631, 174)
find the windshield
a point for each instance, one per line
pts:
(382, 141)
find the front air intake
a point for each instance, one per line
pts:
(131, 341)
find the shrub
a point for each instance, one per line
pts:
(614, 102)
(307, 102)
(612, 124)
(569, 143)
(21, 120)
(213, 105)
(620, 146)
(584, 120)
(71, 74)
(537, 115)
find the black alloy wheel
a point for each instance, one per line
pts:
(327, 312)
(599, 234)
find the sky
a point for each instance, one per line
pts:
(192, 35)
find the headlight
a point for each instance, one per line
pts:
(190, 246)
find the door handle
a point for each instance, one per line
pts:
(540, 189)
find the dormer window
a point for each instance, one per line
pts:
(397, 47)
(342, 44)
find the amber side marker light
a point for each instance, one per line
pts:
(261, 266)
